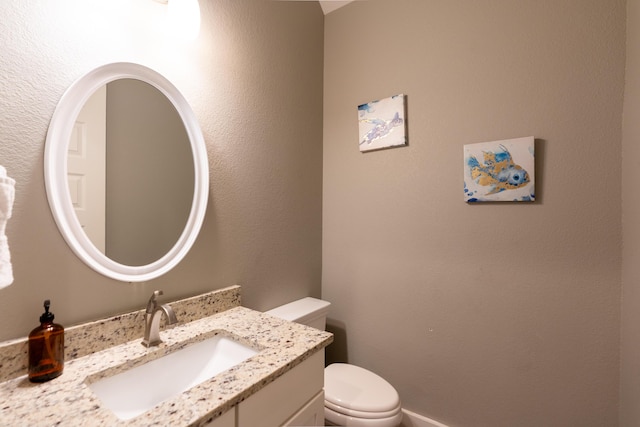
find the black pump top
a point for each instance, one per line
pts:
(46, 316)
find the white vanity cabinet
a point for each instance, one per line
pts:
(294, 399)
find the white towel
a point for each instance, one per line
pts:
(7, 194)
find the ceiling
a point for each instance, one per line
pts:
(331, 5)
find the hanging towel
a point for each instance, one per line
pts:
(7, 194)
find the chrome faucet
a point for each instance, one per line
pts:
(152, 320)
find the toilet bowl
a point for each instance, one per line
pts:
(357, 397)
(354, 396)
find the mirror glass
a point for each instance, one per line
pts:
(126, 172)
(130, 172)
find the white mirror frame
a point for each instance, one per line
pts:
(55, 172)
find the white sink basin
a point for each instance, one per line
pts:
(132, 392)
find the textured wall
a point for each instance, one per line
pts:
(480, 315)
(254, 80)
(630, 332)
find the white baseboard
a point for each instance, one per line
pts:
(411, 419)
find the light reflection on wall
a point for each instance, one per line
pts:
(184, 19)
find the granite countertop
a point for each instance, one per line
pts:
(67, 400)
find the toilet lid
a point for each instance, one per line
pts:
(355, 388)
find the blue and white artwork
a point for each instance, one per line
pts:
(382, 123)
(500, 171)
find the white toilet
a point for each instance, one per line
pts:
(354, 396)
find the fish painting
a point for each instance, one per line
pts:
(498, 171)
(498, 177)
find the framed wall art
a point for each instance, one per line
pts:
(382, 123)
(500, 171)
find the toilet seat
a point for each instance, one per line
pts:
(354, 392)
(338, 419)
(361, 414)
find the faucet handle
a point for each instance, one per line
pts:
(151, 305)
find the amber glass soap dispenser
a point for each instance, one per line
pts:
(46, 349)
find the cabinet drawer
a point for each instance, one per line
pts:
(279, 401)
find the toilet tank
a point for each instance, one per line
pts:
(307, 311)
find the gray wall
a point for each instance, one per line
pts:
(254, 80)
(630, 335)
(480, 315)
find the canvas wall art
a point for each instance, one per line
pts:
(382, 123)
(500, 171)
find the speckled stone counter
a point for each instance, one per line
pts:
(91, 337)
(67, 400)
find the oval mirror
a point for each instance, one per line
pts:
(126, 172)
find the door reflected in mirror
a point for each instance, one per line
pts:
(131, 172)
